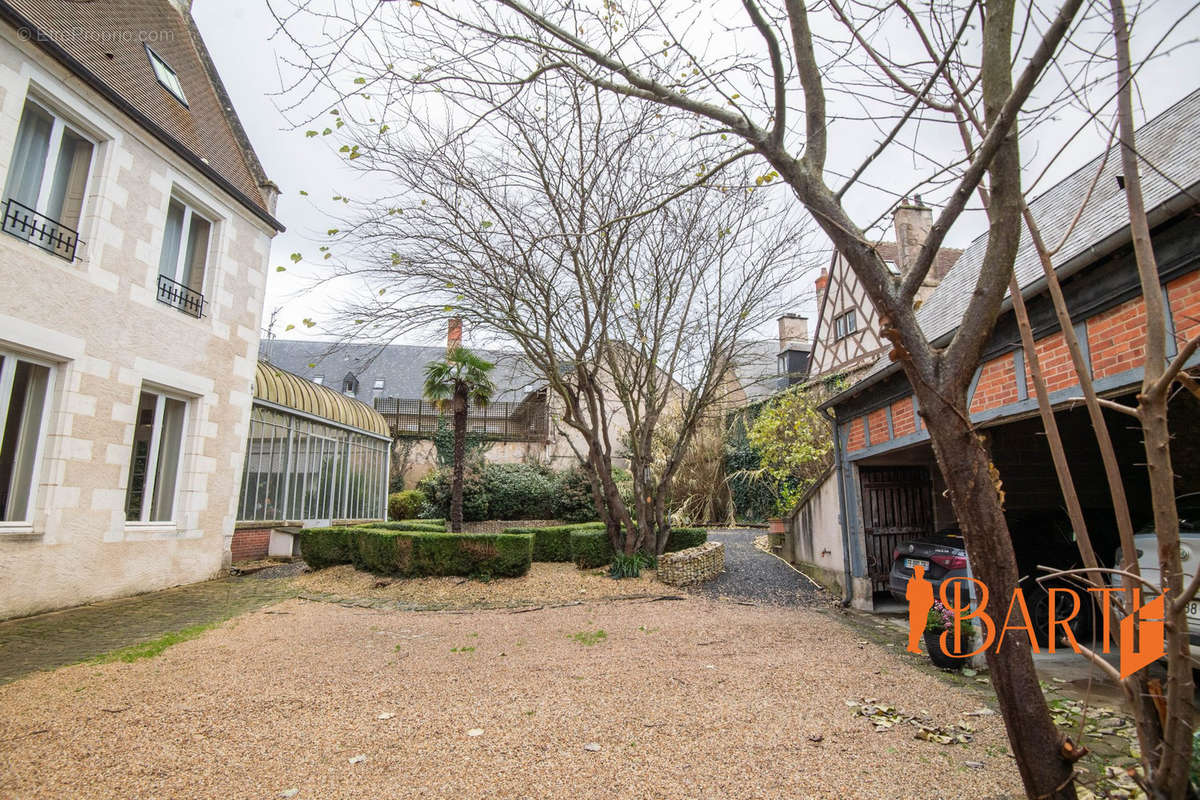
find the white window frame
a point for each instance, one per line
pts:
(840, 327)
(160, 402)
(58, 123)
(185, 237)
(160, 65)
(7, 371)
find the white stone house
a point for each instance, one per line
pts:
(133, 260)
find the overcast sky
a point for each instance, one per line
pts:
(238, 33)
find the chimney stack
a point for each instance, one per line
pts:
(821, 282)
(793, 332)
(454, 334)
(912, 222)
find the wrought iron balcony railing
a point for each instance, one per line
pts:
(178, 296)
(25, 223)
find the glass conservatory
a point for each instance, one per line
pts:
(313, 456)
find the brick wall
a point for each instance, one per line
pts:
(250, 544)
(903, 419)
(997, 384)
(878, 426)
(857, 438)
(1184, 294)
(1055, 361)
(1116, 338)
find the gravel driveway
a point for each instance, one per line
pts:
(752, 576)
(675, 699)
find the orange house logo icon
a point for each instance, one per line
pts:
(1140, 635)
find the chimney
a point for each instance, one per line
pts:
(454, 334)
(821, 282)
(793, 332)
(912, 223)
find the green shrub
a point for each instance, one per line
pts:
(418, 553)
(553, 543)
(590, 548)
(683, 538)
(624, 566)
(325, 547)
(519, 491)
(436, 488)
(406, 504)
(411, 526)
(573, 496)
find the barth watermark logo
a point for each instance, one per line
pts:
(1141, 635)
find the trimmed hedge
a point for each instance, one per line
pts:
(418, 553)
(411, 526)
(406, 504)
(683, 538)
(553, 543)
(591, 548)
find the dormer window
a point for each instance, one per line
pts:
(166, 76)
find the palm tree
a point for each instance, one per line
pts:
(461, 378)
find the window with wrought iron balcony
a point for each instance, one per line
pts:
(46, 181)
(183, 261)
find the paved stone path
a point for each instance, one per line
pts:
(752, 576)
(48, 641)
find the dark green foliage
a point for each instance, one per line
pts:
(406, 504)
(476, 444)
(436, 487)
(417, 553)
(591, 548)
(554, 543)
(325, 547)
(573, 496)
(683, 538)
(624, 566)
(753, 500)
(411, 526)
(520, 491)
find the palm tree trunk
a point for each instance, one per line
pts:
(460, 454)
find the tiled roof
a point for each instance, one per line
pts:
(1166, 143)
(401, 366)
(104, 43)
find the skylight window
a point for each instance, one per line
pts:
(166, 76)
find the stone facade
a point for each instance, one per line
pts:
(693, 565)
(98, 327)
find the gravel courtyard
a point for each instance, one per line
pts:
(685, 698)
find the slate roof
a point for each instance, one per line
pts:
(757, 369)
(104, 43)
(401, 366)
(1166, 143)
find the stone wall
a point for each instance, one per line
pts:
(693, 565)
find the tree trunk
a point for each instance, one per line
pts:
(460, 455)
(975, 496)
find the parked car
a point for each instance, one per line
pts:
(943, 556)
(1146, 541)
(1040, 538)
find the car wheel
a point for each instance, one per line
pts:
(1037, 598)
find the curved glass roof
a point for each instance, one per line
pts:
(281, 388)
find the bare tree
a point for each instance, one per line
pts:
(575, 243)
(774, 86)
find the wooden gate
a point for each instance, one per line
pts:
(896, 507)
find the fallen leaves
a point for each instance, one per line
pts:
(884, 717)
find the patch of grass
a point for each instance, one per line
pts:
(154, 647)
(589, 638)
(462, 649)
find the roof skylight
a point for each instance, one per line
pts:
(166, 76)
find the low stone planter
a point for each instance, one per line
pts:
(693, 565)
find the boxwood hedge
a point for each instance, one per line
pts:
(411, 526)
(418, 553)
(590, 548)
(553, 543)
(683, 538)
